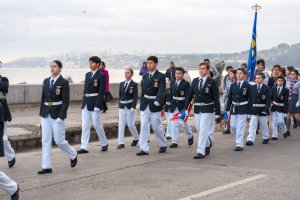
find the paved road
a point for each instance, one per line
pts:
(260, 172)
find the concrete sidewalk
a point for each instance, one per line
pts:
(261, 172)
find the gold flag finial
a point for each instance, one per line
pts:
(256, 7)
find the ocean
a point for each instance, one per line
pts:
(37, 75)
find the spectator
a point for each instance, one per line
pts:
(143, 69)
(105, 72)
(170, 73)
(226, 77)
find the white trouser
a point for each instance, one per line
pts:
(168, 117)
(238, 124)
(8, 150)
(155, 121)
(278, 121)
(51, 128)
(205, 125)
(174, 128)
(87, 117)
(7, 184)
(126, 116)
(263, 124)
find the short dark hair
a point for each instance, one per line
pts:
(172, 62)
(283, 71)
(244, 65)
(290, 68)
(203, 63)
(261, 75)
(277, 66)
(103, 63)
(59, 64)
(129, 69)
(242, 70)
(261, 61)
(95, 59)
(206, 60)
(229, 67)
(180, 69)
(153, 58)
(280, 77)
(296, 71)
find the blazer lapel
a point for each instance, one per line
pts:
(205, 84)
(92, 79)
(152, 78)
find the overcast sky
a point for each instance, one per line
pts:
(41, 28)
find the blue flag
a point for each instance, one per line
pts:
(252, 53)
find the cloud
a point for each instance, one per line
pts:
(32, 27)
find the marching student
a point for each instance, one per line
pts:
(179, 90)
(153, 91)
(259, 109)
(53, 111)
(238, 100)
(8, 150)
(128, 95)
(279, 99)
(293, 109)
(205, 93)
(8, 185)
(92, 104)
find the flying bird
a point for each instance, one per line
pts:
(83, 12)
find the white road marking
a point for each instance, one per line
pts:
(224, 187)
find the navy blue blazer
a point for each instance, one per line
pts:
(261, 97)
(59, 92)
(156, 86)
(131, 93)
(4, 84)
(209, 94)
(282, 98)
(181, 91)
(167, 101)
(239, 95)
(95, 84)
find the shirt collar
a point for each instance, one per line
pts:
(54, 78)
(152, 73)
(204, 78)
(178, 82)
(127, 82)
(241, 82)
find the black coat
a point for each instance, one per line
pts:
(209, 93)
(170, 74)
(59, 92)
(239, 95)
(156, 86)
(96, 84)
(282, 98)
(1, 130)
(4, 84)
(131, 93)
(182, 90)
(263, 97)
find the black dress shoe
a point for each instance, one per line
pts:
(238, 149)
(207, 151)
(162, 149)
(295, 125)
(249, 143)
(121, 146)
(191, 141)
(104, 110)
(173, 145)
(15, 196)
(274, 138)
(266, 141)
(104, 148)
(12, 163)
(142, 153)
(81, 151)
(74, 162)
(199, 156)
(134, 143)
(288, 133)
(45, 171)
(257, 132)
(226, 132)
(168, 138)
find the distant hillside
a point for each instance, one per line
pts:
(283, 54)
